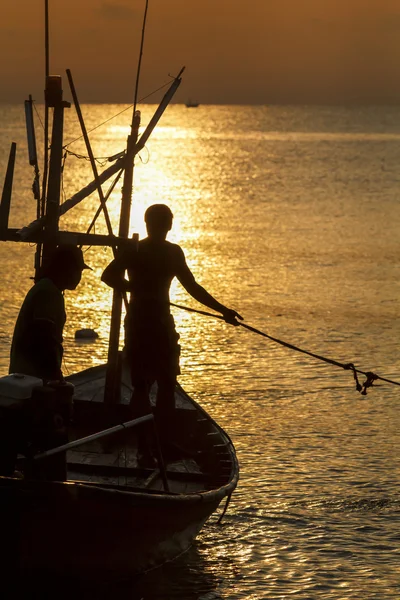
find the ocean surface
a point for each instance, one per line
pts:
(291, 216)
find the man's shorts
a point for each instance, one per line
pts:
(152, 348)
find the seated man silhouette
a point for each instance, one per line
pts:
(37, 344)
(151, 341)
(37, 350)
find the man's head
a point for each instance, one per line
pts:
(158, 218)
(65, 266)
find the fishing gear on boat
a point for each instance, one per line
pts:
(360, 387)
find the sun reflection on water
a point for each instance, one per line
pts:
(299, 233)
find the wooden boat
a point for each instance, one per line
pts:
(113, 516)
(192, 104)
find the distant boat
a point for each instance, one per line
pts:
(191, 104)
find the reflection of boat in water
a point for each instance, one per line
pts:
(191, 104)
(113, 514)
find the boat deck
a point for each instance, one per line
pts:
(202, 459)
(121, 470)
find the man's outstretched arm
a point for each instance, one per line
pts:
(186, 278)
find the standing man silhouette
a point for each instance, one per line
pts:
(151, 341)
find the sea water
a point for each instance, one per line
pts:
(291, 216)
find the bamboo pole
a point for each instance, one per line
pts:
(54, 184)
(7, 190)
(112, 382)
(54, 99)
(26, 232)
(90, 153)
(32, 153)
(42, 201)
(110, 431)
(94, 436)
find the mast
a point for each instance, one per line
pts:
(113, 374)
(54, 99)
(25, 233)
(45, 230)
(33, 232)
(42, 201)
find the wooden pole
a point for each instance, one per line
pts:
(90, 153)
(106, 197)
(113, 374)
(26, 232)
(34, 227)
(42, 202)
(46, 39)
(94, 436)
(54, 99)
(7, 190)
(160, 110)
(54, 187)
(110, 431)
(32, 153)
(30, 132)
(112, 383)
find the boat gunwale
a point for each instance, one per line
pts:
(79, 488)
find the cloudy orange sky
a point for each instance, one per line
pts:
(235, 51)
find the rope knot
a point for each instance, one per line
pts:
(350, 366)
(369, 382)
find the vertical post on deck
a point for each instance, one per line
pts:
(54, 100)
(113, 375)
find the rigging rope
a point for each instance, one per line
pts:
(164, 85)
(362, 388)
(101, 160)
(122, 111)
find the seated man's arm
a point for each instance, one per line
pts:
(199, 293)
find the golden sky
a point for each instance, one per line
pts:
(235, 51)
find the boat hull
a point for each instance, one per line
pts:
(110, 521)
(95, 533)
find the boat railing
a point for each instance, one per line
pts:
(112, 430)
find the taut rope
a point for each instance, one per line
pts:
(362, 388)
